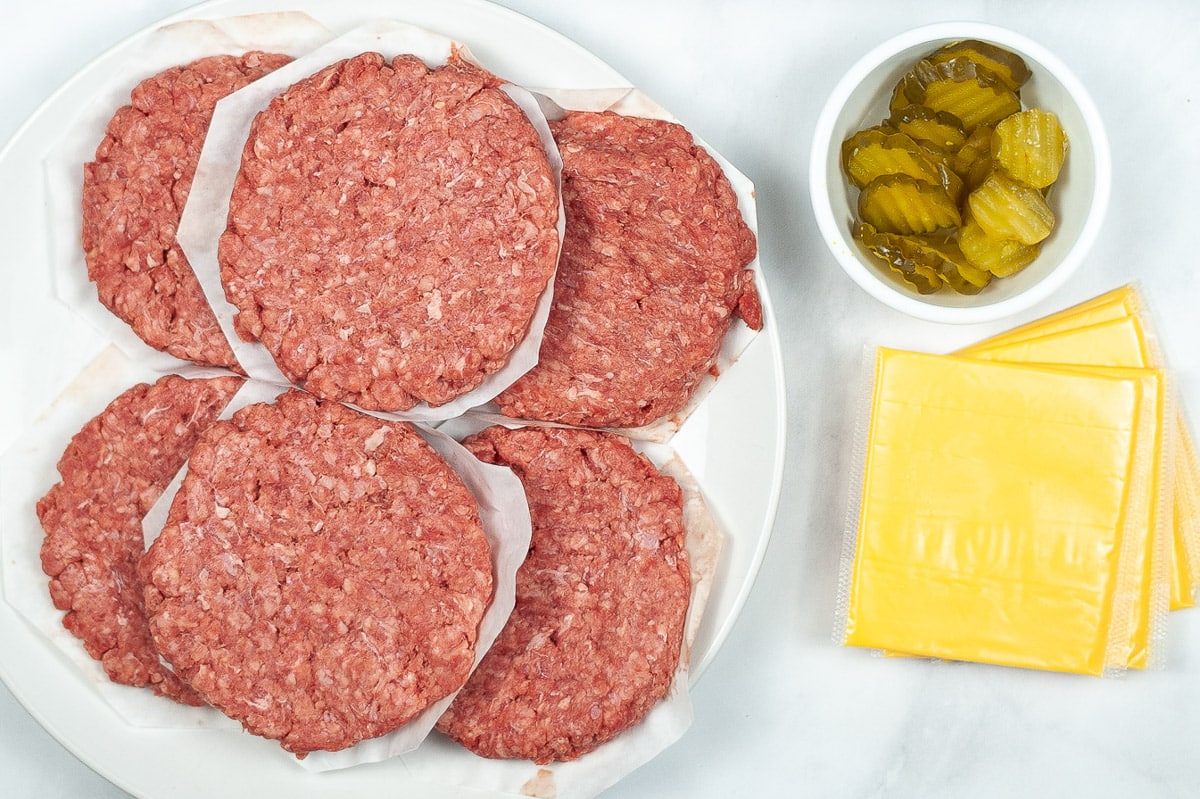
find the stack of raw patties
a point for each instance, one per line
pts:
(1029, 501)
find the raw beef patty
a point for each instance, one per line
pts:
(133, 195)
(650, 278)
(112, 471)
(390, 231)
(321, 575)
(601, 598)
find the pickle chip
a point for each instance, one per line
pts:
(1007, 209)
(905, 93)
(924, 262)
(1006, 65)
(915, 265)
(934, 128)
(1031, 146)
(1001, 257)
(873, 153)
(958, 272)
(903, 204)
(973, 162)
(966, 90)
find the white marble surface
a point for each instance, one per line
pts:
(782, 711)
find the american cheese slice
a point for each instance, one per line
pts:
(1116, 304)
(995, 512)
(1119, 341)
(1149, 538)
(1148, 535)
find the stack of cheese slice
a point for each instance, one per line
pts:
(1029, 501)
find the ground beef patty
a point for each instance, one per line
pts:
(112, 471)
(390, 231)
(134, 193)
(596, 633)
(321, 575)
(651, 274)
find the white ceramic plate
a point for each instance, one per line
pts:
(734, 443)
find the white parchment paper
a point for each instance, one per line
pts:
(292, 33)
(207, 207)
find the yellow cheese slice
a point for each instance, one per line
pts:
(1116, 304)
(1113, 342)
(994, 514)
(1149, 534)
(1121, 341)
(1148, 512)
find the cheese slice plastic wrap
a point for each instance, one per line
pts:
(1187, 516)
(998, 517)
(1123, 340)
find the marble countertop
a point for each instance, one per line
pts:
(783, 710)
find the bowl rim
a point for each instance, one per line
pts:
(865, 276)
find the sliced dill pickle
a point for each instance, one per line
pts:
(905, 93)
(884, 127)
(873, 153)
(903, 204)
(1007, 209)
(952, 183)
(1001, 257)
(915, 265)
(958, 272)
(966, 90)
(923, 124)
(973, 162)
(1006, 65)
(924, 262)
(1031, 146)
